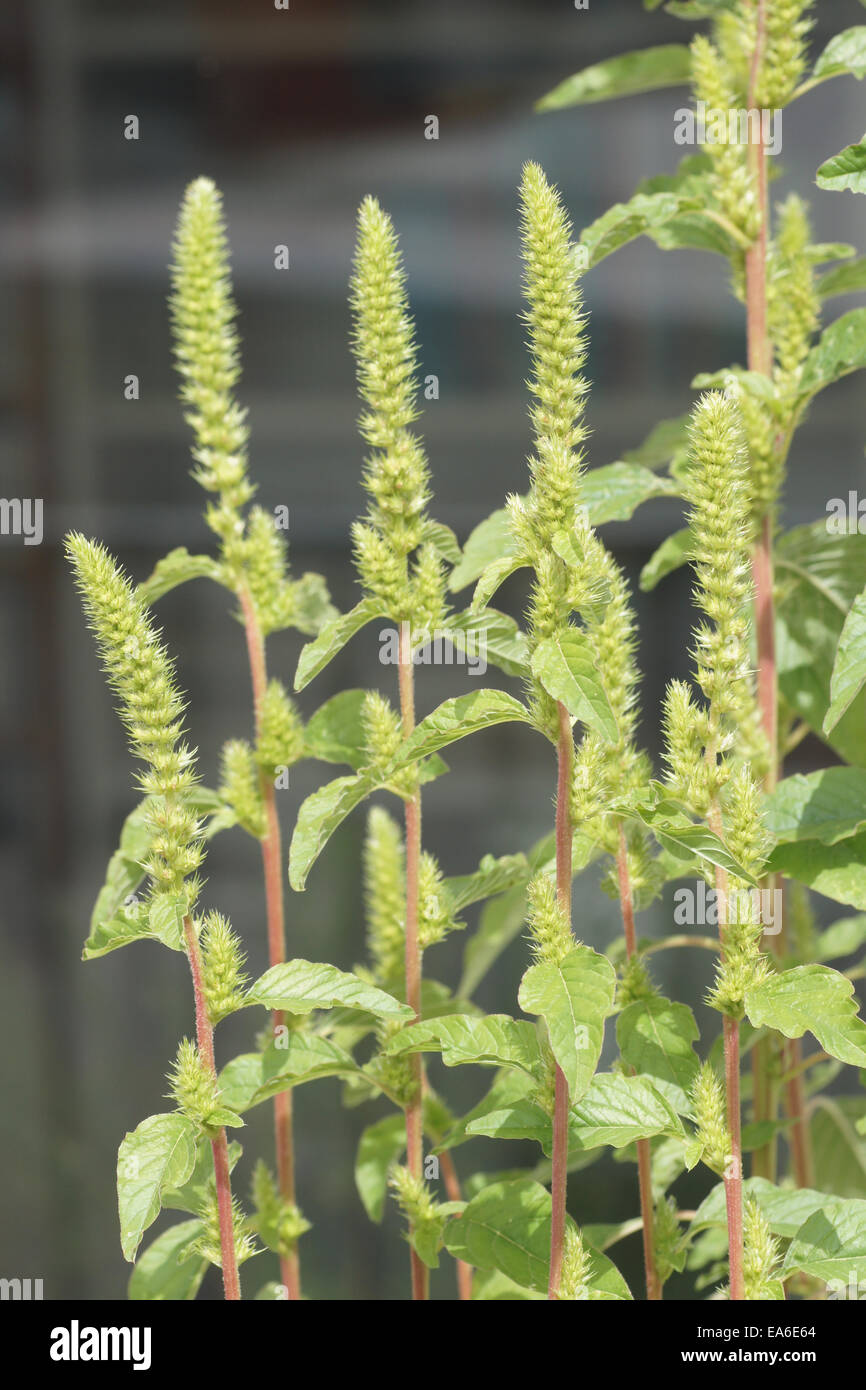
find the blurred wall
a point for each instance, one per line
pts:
(297, 115)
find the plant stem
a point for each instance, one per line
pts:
(204, 1038)
(644, 1154)
(412, 805)
(734, 1170)
(559, 1177)
(272, 864)
(452, 1187)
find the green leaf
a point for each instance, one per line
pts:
(644, 214)
(320, 815)
(300, 986)
(828, 805)
(841, 348)
(684, 840)
(838, 1151)
(492, 876)
(645, 70)
(655, 1037)
(849, 671)
(491, 636)
(845, 279)
(617, 1110)
(574, 998)
(666, 442)
(843, 938)
(489, 541)
(168, 1270)
(814, 998)
(673, 552)
(493, 577)
(521, 1119)
(845, 53)
(159, 1154)
(194, 1193)
(443, 541)
(785, 1208)
(333, 638)
(254, 1077)
(455, 719)
(566, 666)
(335, 733)
(819, 576)
(831, 1245)
(380, 1146)
(506, 1228)
(838, 871)
(495, 1040)
(500, 923)
(615, 492)
(176, 568)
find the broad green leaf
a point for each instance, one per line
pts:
(493, 577)
(614, 492)
(814, 998)
(494, 1040)
(828, 805)
(195, 1192)
(849, 671)
(490, 540)
(617, 1110)
(673, 552)
(655, 1037)
(838, 871)
(643, 214)
(168, 1269)
(455, 719)
(845, 53)
(785, 1208)
(645, 70)
(506, 1228)
(838, 1151)
(566, 666)
(490, 636)
(335, 733)
(508, 1088)
(521, 1119)
(686, 841)
(666, 441)
(819, 576)
(300, 986)
(311, 608)
(491, 877)
(443, 541)
(843, 938)
(380, 1146)
(574, 998)
(831, 1245)
(320, 815)
(159, 1154)
(254, 1077)
(841, 348)
(333, 638)
(176, 568)
(490, 1286)
(845, 279)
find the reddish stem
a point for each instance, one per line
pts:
(272, 864)
(734, 1170)
(414, 1124)
(559, 1176)
(452, 1187)
(204, 1037)
(644, 1153)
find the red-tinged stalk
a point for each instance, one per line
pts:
(452, 1187)
(559, 1180)
(644, 1155)
(204, 1038)
(272, 864)
(414, 1111)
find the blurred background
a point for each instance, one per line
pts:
(297, 114)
